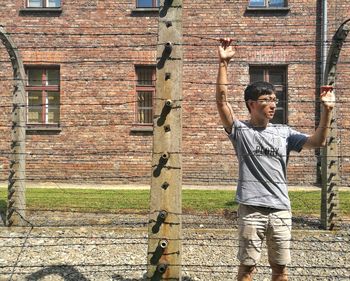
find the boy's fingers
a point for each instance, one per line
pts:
(326, 88)
(225, 42)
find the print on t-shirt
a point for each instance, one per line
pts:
(267, 144)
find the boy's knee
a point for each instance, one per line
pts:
(280, 269)
(279, 272)
(245, 271)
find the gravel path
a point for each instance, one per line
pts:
(68, 248)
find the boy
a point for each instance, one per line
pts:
(262, 150)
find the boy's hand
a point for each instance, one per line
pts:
(327, 97)
(226, 51)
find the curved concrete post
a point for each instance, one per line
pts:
(16, 182)
(330, 157)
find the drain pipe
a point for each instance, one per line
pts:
(322, 76)
(324, 40)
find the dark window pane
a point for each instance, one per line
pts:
(35, 98)
(281, 106)
(148, 116)
(145, 116)
(145, 76)
(53, 101)
(276, 77)
(281, 97)
(257, 3)
(35, 108)
(53, 77)
(144, 100)
(256, 75)
(35, 77)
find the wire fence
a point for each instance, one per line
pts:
(106, 251)
(71, 241)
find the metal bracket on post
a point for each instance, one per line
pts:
(16, 204)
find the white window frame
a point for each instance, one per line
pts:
(43, 4)
(44, 88)
(267, 4)
(150, 89)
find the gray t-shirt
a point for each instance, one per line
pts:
(263, 155)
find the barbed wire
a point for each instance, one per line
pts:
(205, 101)
(201, 268)
(189, 221)
(278, 43)
(308, 22)
(213, 242)
(187, 237)
(204, 268)
(136, 81)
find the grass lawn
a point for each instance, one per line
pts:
(203, 201)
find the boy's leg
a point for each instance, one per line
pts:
(278, 243)
(245, 272)
(279, 272)
(251, 230)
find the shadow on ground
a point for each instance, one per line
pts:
(67, 272)
(120, 278)
(70, 273)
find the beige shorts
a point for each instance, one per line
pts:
(256, 223)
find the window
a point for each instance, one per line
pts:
(147, 3)
(43, 3)
(43, 96)
(276, 75)
(145, 91)
(267, 3)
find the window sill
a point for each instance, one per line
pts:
(43, 129)
(145, 10)
(41, 10)
(142, 128)
(268, 9)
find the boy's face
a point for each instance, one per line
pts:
(264, 106)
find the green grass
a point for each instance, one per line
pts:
(203, 201)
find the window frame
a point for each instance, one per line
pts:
(144, 88)
(140, 11)
(268, 6)
(283, 101)
(50, 11)
(43, 5)
(44, 89)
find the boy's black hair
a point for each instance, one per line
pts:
(257, 89)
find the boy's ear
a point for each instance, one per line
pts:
(249, 102)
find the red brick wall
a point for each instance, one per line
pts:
(96, 142)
